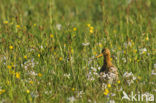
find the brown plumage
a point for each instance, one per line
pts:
(108, 72)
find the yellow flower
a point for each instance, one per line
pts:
(109, 85)
(60, 58)
(34, 24)
(7, 82)
(17, 75)
(106, 92)
(11, 72)
(28, 91)
(139, 77)
(39, 74)
(88, 25)
(111, 59)
(91, 31)
(73, 89)
(72, 51)
(94, 53)
(2, 91)
(119, 48)
(91, 28)
(147, 38)
(25, 57)
(31, 82)
(100, 45)
(74, 29)
(114, 31)
(118, 81)
(11, 47)
(39, 55)
(134, 50)
(17, 26)
(51, 36)
(9, 67)
(5, 22)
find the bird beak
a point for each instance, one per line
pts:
(99, 55)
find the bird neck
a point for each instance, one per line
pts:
(107, 61)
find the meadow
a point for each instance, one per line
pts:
(47, 49)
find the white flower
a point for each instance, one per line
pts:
(127, 74)
(113, 94)
(124, 60)
(94, 69)
(67, 75)
(85, 44)
(153, 73)
(41, 47)
(111, 101)
(71, 99)
(80, 93)
(154, 66)
(143, 50)
(58, 26)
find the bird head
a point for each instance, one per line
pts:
(105, 52)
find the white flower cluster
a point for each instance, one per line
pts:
(129, 77)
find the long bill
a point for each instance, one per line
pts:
(100, 55)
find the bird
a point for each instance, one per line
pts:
(108, 72)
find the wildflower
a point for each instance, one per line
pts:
(71, 99)
(154, 66)
(118, 81)
(31, 82)
(139, 77)
(17, 75)
(114, 31)
(2, 91)
(134, 50)
(25, 57)
(74, 29)
(106, 92)
(94, 53)
(91, 28)
(147, 38)
(73, 89)
(85, 44)
(9, 67)
(153, 72)
(91, 31)
(67, 75)
(34, 24)
(60, 58)
(39, 74)
(11, 72)
(58, 26)
(88, 25)
(51, 36)
(124, 60)
(72, 51)
(5, 22)
(7, 82)
(111, 101)
(39, 55)
(11, 47)
(143, 51)
(28, 91)
(109, 85)
(100, 45)
(17, 26)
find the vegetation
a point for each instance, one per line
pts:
(47, 49)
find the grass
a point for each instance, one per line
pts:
(46, 47)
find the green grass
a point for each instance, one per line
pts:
(49, 63)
